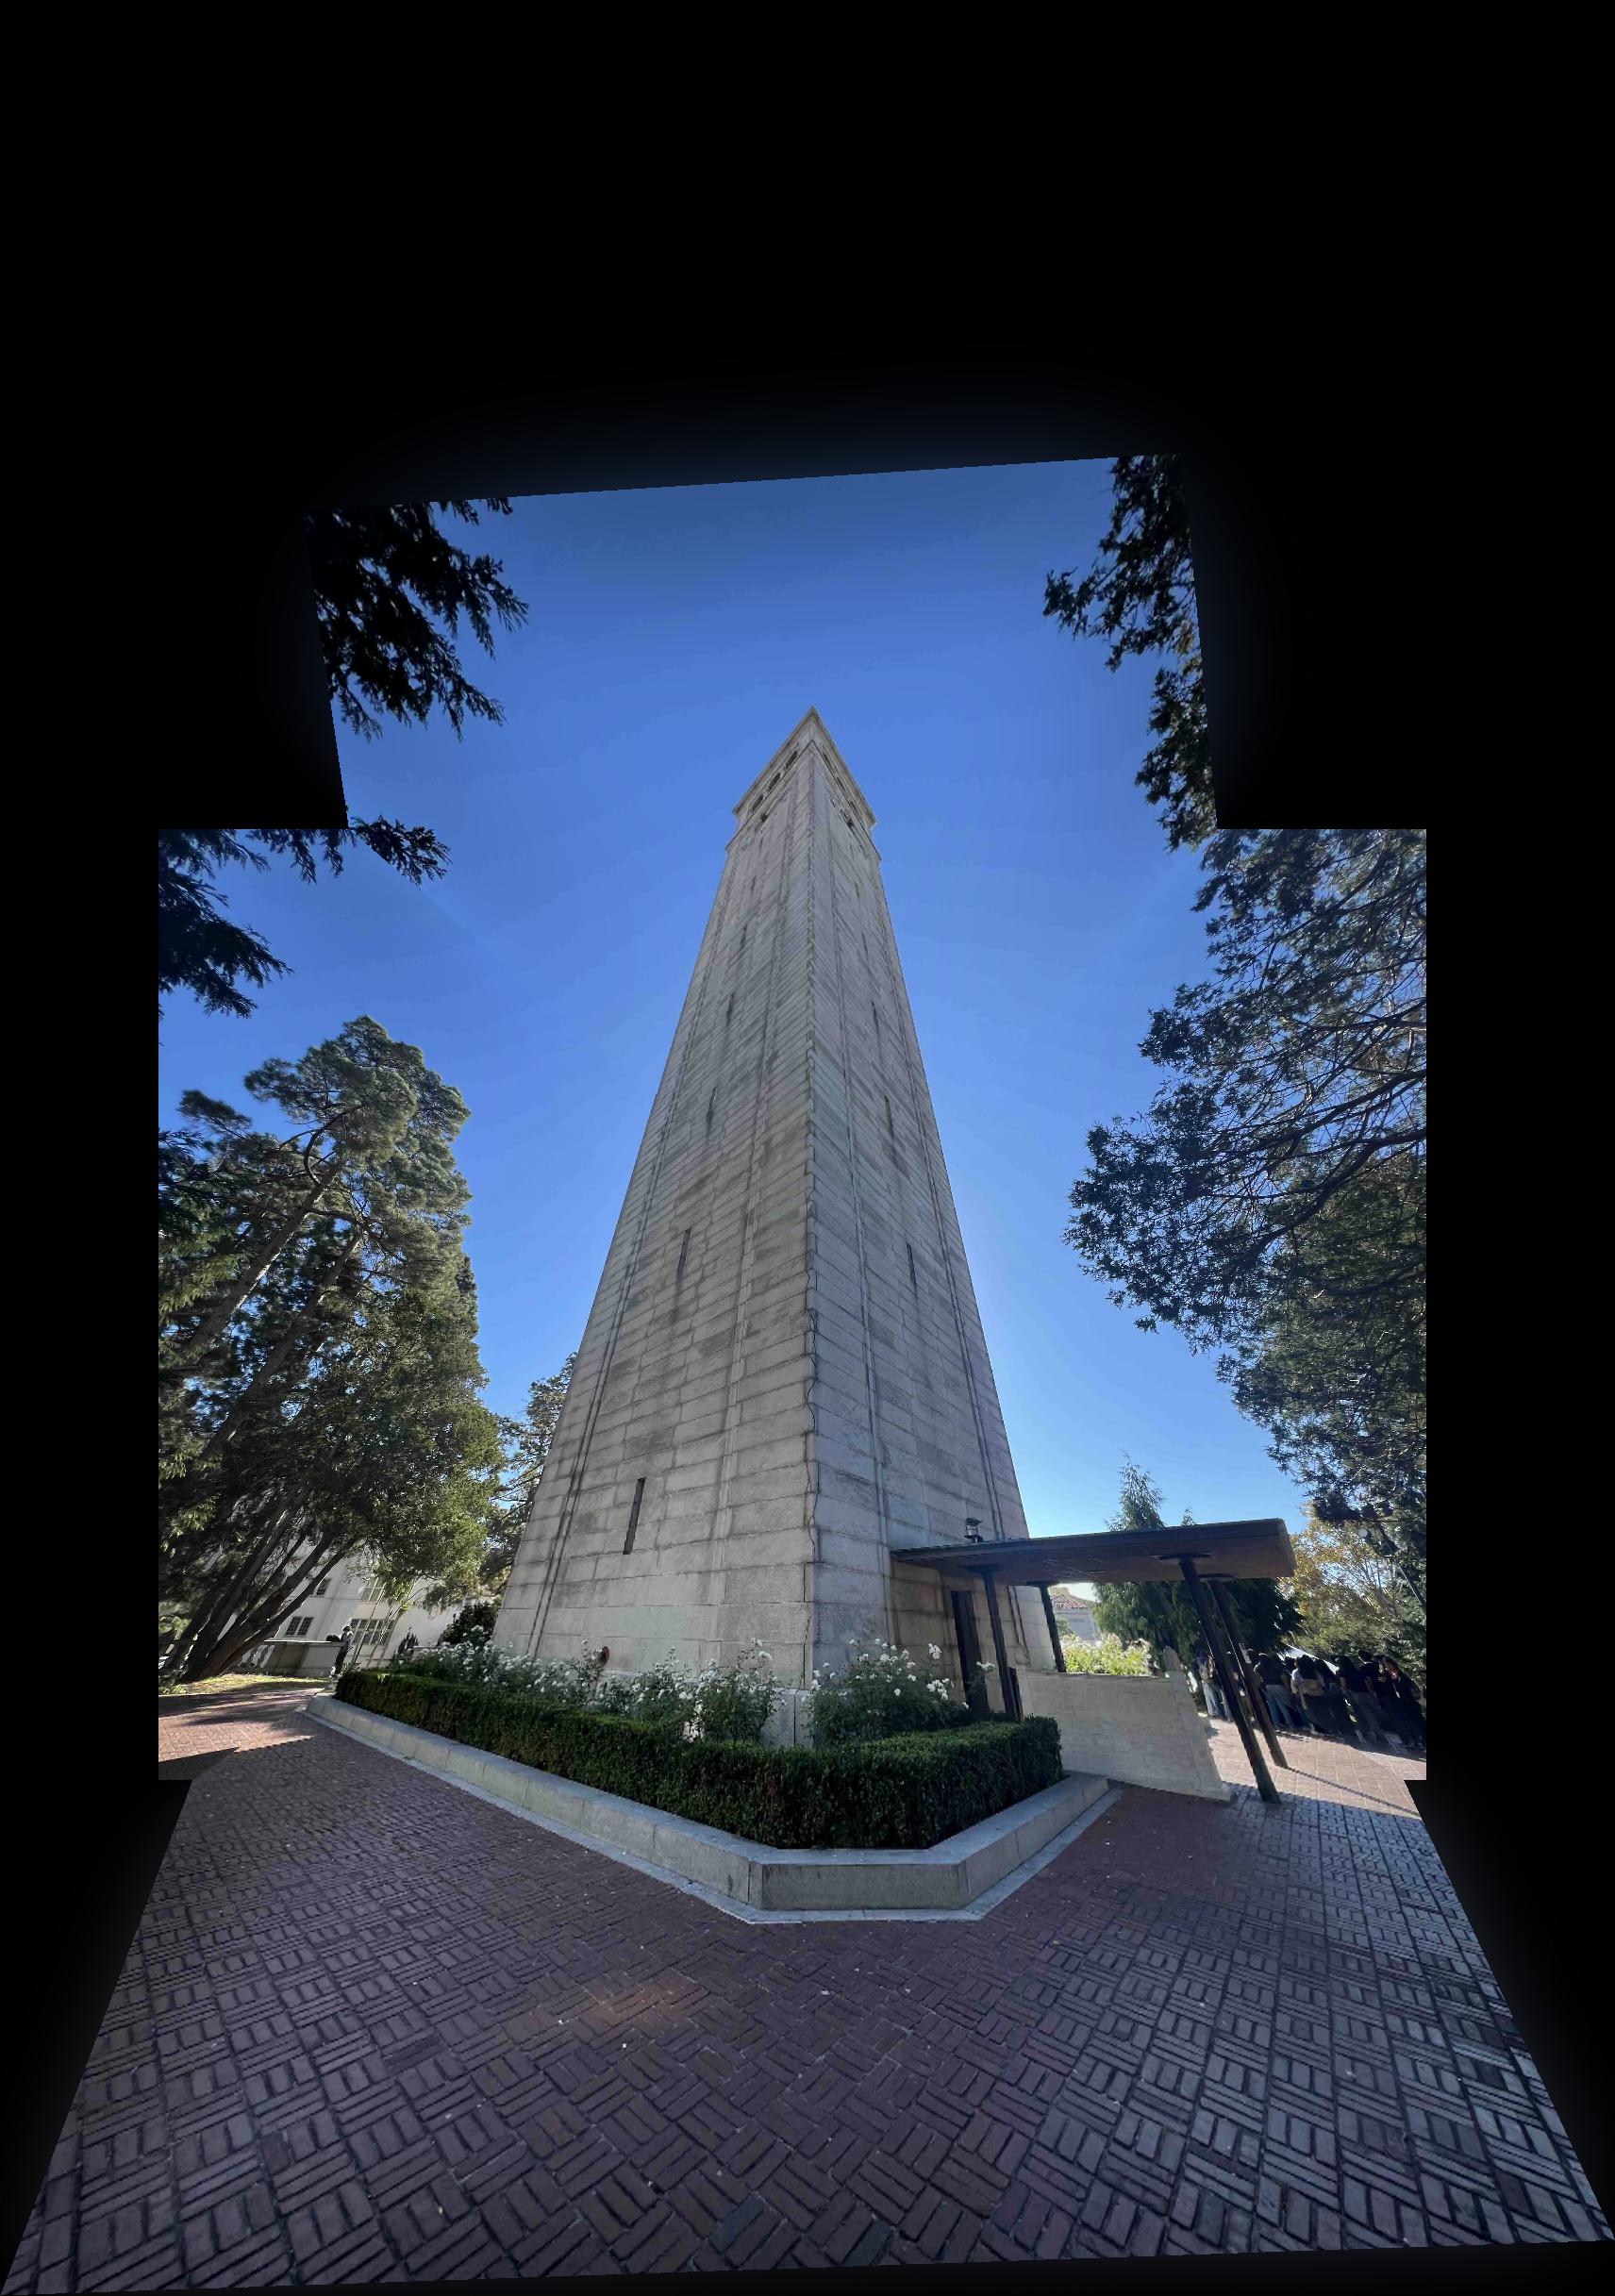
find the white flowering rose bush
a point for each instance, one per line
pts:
(717, 1702)
(882, 1692)
(734, 1701)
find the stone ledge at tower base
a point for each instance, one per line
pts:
(947, 1878)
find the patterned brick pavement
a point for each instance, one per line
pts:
(373, 2028)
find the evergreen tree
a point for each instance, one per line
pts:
(1271, 1205)
(318, 1367)
(1139, 595)
(385, 1459)
(198, 948)
(1161, 1612)
(527, 1442)
(380, 578)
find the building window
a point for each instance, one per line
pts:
(710, 1106)
(729, 1012)
(323, 1585)
(683, 1255)
(633, 1516)
(914, 1270)
(875, 1009)
(889, 1126)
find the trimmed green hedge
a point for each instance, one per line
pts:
(897, 1793)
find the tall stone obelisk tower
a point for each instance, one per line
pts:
(783, 1381)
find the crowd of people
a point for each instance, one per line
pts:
(1367, 1700)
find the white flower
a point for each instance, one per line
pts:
(935, 1649)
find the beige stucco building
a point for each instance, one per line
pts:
(783, 1383)
(346, 1597)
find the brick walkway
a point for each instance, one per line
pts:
(1324, 1769)
(375, 2028)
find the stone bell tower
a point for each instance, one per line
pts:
(783, 1382)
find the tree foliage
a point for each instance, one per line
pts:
(1161, 1612)
(1271, 1204)
(380, 577)
(472, 1622)
(1352, 1601)
(1140, 593)
(318, 1369)
(526, 1446)
(200, 950)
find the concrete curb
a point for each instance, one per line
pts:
(960, 1879)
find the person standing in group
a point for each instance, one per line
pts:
(342, 1654)
(1370, 1709)
(1215, 1704)
(1360, 1702)
(1313, 1691)
(1281, 1700)
(1403, 1700)
(1386, 1707)
(1337, 1715)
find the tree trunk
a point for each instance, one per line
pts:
(281, 1350)
(216, 1322)
(241, 1633)
(213, 1606)
(217, 1612)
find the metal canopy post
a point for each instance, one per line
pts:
(1007, 1690)
(1265, 1786)
(1253, 1680)
(1054, 1628)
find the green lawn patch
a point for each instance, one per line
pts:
(217, 1681)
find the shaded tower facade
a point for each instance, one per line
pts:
(783, 1382)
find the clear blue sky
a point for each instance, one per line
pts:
(675, 637)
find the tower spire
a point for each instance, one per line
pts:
(783, 1382)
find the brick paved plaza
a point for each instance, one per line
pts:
(375, 2028)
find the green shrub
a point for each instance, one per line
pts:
(898, 1793)
(472, 1623)
(882, 1693)
(1108, 1656)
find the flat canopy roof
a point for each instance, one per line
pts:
(1218, 1549)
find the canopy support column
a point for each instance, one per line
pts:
(1054, 1628)
(1265, 1786)
(1253, 1680)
